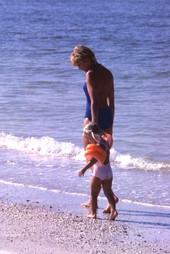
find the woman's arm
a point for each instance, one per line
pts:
(93, 91)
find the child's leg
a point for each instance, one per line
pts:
(107, 187)
(95, 187)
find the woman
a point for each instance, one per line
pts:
(99, 89)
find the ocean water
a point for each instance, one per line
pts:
(42, 103)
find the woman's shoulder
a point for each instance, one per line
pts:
(92, 77)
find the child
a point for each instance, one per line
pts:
(97, 153)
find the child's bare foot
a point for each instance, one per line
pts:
(113, 215)
(91, 216)
(86, 204)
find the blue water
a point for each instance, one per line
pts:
(42, 102)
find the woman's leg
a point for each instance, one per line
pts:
(85, 140)
(107, 209)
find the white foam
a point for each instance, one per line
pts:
(47, 146)
(42, 146)
(127, 161)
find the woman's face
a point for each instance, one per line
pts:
(83, 66)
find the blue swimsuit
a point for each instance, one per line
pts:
(105, 119)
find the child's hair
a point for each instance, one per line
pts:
(95, 130)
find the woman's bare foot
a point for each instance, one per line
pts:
(113, 215)
(86, 204)
(107, 209)
(91, 216)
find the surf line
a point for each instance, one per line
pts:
(77, 194)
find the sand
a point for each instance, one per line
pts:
(35, 227)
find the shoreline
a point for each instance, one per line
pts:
(57, 224)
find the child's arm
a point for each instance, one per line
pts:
(88, 165)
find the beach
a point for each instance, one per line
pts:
(32, 226)
(42, 106)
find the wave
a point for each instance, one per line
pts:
(41, 146)
(47, 146)
(77, 194)
(127, 161)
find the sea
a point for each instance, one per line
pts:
(42, 103)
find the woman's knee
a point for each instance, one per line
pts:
(86, 121)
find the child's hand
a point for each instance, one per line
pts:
(80, 173)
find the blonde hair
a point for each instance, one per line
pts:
(80, 54)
